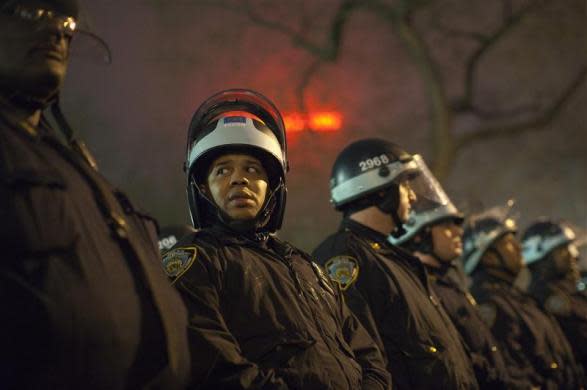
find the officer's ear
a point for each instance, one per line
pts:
(204, 189)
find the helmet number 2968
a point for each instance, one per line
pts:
(373, 162)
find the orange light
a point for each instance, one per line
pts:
(294, 122)
(325, 121)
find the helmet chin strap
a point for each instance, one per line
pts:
(389, 205)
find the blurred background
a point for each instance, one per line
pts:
(491, 93)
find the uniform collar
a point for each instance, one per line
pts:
(365, 232)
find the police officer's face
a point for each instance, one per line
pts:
(510, 250)
(566, 261)
(407, 196)
(238, 185)
(447, 240)
(33, 56)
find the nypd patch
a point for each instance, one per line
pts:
(343, 269)
(178, 260)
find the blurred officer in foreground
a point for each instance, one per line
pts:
(550, 251)
(85, 302)
(262, 314)
(433, 233)
(372, 183)
(493, 258)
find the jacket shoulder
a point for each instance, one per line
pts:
(199, 245)
(337, 244)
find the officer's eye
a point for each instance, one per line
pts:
(253, 169)
(221, 171)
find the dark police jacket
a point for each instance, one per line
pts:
(569, 306)
(489, 362)
(388, 290)
(85, 302)
(531, 336)
(264, 316)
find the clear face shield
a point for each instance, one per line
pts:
(84, 44)
(427, 201)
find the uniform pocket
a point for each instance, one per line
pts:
(35, 213)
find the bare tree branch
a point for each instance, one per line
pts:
(327, 52)
(473, 62)
(526, 109)
(304, 82)
(456, 33)
(534, 123)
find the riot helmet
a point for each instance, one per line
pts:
(237, 120)
(368, 173)
(68, 16)
(544, 236)
(431, 204)
(483, 230)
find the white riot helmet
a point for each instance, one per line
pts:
(237, 120)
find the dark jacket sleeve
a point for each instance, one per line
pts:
(367, 353)
(217, 360)
(508, 333)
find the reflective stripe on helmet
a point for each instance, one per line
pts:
(232, 132)
(369, 181)
(537, 247)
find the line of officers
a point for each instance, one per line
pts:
(89, 303)
(433, 296)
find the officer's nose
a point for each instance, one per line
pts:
(239, 179)
(412, 195)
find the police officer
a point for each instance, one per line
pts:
(263, 315)
(384, 285)
(551, 254)
(85, 302)
(493, 258)
(433, 233)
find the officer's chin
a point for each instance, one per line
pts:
(44, 79)
(242, 214)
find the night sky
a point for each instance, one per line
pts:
(168, 56)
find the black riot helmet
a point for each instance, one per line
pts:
(68, 16)
(368, 173)
(69, 8)
(545, 235)
(484, 229)
(237, 120)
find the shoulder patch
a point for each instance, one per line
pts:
(488, 313)
(558, 304)
(343, 269)
(179, 260)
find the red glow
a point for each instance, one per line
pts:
(325, 121)
(316, 121)
(294, 122)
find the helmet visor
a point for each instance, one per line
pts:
(429, 201)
